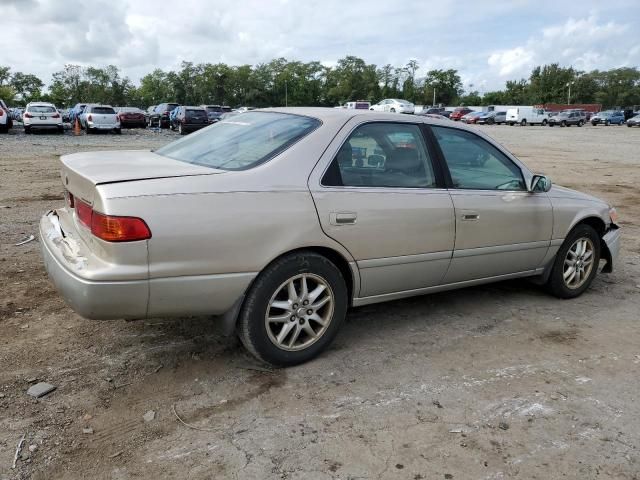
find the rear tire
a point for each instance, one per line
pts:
(562, 287)
(544, 123)
(523, 123)
(287, 339)
(563, 123)
(580, 123)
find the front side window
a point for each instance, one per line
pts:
(382, 155)
(241, 142)
(476, 164)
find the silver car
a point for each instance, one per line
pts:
(282, 219)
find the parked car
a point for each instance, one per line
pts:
(358, 105)
(189, 119)
(490, 118)
(42, 116)
(160, 115)
(527, 116)
(459, 112)
(213, 112)
(97, 117)
(566, 118)
(66, 117)
(608, 117)
(76, 111)
(634, 121)
(131, 117)
(202, 226)
(5, 119)
(432, 110)
(148, 112)
(393, 105)
(471, 117)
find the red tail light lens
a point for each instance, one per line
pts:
(1, 112)
(28, 115)
(90, 118)
(112, 228)
(70, 200)
(84, 212)
(55, 115)
(119, 229)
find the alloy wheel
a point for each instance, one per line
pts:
(578, 263)
(299, 312)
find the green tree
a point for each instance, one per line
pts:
(446, 84)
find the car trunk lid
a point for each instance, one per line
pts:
(82, 172)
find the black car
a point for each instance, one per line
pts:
(189, 119)
(160, 115)
(213, 112)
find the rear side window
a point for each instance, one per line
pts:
(241, 142)
(41, 109)
(476, 164)
(103, 110)
(382, 155)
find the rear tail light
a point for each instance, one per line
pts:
(1, 112)
(28, 115)
(90, 118)
(55, 115)
(112, 228)
(165, 114)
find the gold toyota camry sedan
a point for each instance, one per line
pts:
(279, 220)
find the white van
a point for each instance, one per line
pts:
(527, 115)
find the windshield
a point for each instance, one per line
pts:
(241, 142)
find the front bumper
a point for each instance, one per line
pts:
(611, 248)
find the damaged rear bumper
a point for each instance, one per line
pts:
(65, 263)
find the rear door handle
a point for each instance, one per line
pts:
(343, 218)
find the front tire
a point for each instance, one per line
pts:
(544, 123)
(576, 263)
(293, 310)
(580, 123)
(523, 123)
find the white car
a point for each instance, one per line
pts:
(393, 105)
(42, 115)
(96, 117)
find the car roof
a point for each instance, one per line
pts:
(41, 104)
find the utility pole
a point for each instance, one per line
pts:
(434, 96)
(286, 94)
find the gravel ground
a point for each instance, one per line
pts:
(499, 381)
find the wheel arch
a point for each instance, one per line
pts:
(349, 273)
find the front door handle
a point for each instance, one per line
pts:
(469, 216)
(343, 218)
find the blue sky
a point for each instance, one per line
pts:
(488, 42)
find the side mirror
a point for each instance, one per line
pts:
(540, 183)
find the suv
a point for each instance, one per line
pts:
(160, 115)
(213, 112)
(608, 117)
(42, 115)
(5, 119)
(189, 119)
(567, 118)
(100, 118)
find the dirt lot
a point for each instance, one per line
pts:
(494, 382)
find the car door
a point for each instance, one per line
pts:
(378, 192)
(501, 227)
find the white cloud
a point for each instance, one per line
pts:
(584, 43)
(487, 42)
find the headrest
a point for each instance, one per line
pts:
(404, 159)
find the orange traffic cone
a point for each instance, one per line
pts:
(76, 127)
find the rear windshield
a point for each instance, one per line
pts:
(241, 142)
(214, 109)
(41, 109)
(226, 109)
(103, 110)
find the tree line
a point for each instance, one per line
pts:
(295, 83)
